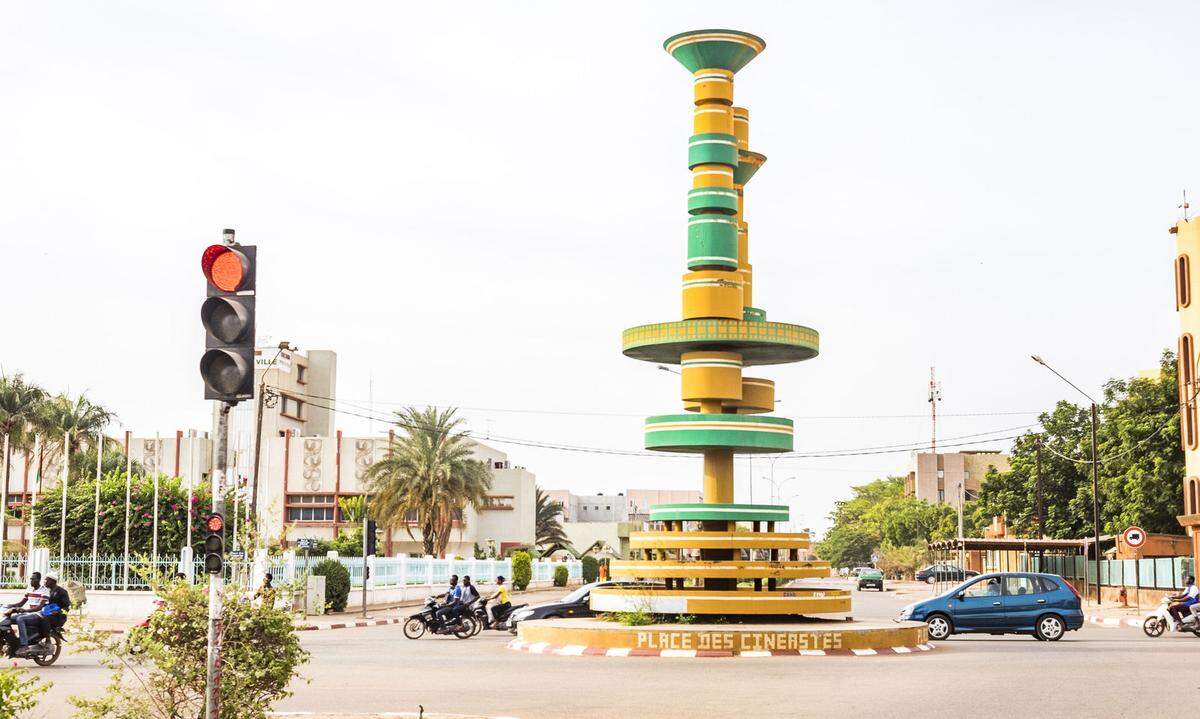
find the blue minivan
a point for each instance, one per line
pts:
(1044, 605)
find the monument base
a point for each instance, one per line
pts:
(815, 637)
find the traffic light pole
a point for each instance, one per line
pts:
(216, 582)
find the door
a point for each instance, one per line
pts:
(979, 606)
(1023, 600)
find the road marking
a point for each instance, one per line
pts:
(678, 653)
(537, 647)
(756, 654)
(812, 652)
(572, 650)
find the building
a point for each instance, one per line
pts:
(1187, 246)
(602, 522)
(954, 469)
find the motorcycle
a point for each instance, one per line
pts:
(1161, 620)
(483, 618)
(463, 626)
(45, 646)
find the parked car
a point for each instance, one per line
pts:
(944, 573)
(574, 604)
(870, 578)
(1044, 605)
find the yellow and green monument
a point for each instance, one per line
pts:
(719, 559)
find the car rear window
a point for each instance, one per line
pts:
(1048, 584)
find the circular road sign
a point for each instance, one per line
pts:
(1134, 537)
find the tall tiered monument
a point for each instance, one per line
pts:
(716, 574)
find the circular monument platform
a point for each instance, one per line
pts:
(595, 637)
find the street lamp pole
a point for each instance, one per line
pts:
(1095, 473)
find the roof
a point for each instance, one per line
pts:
(1011, 544)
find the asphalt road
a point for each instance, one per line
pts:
(1095, 672)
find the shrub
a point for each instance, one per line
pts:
(161, 676)
(522, 569)
(636, 618)
(18, 692)
(561, 575)
(337, 583)
(591, 568)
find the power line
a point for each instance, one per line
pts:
(821, 454)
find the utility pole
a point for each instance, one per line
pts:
(216, 582)
(1096, 499)
(1037, 474)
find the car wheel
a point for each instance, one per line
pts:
(940, 627)
(1050, 628)
(930, 579)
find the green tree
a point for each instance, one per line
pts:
(880, 515)
(1141, 464)
(68, 424)
(162, 675)
(337, 583)
(548, 522)
(430, 474)
(81, 508)
(522, 569)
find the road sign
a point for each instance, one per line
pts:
(306, 543)
(874, 558)
(1134, 537)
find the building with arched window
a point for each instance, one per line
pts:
(1187, 245)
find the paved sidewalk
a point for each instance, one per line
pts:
(1116, 615)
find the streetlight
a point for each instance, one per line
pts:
(665, 368)
(777, 487)
(1095, 472)
(262, 394)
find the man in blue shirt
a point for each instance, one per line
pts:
(453, 599)
(1182, 602)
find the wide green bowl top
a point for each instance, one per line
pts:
(725, 49)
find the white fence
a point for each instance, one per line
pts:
(111, 574)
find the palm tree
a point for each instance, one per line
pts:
(428, 474)
(19, 406)
(547, 523)
(68, 423)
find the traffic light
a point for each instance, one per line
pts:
(227, 366)
(214, 544)
(371, 529)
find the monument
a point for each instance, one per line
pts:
(719, 565)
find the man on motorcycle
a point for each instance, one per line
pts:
(502, 606)
(32, 601)
(56, 596)
(452, 597)
(1183, 602)
(470, 593)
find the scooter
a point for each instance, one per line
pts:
(463, 626)
(1161, 620)
(483, 618)
(44, 647)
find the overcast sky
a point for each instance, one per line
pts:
(470, 201)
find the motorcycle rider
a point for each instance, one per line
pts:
(32, 601)
(55, 595)
(502, 606)
(1182, 602)
(452, 596)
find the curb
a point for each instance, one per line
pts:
(576, 650)
(349, 625)
(1114, 621)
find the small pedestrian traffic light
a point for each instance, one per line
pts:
(227, 314)
(214, 544)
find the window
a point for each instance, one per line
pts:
(310, 508)
(301, 374)
(1048, 584)
(608, 507)
(984, 588)
(291, 407)
(1193, 505)
(1187, 389)
(1183, 282)
(1016, 586)
(941, 495)
(498, 502)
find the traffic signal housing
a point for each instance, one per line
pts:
(214, 544)
(371, 530)
(227, 314)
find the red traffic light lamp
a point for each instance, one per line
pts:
(225, 267)
(215, 523)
